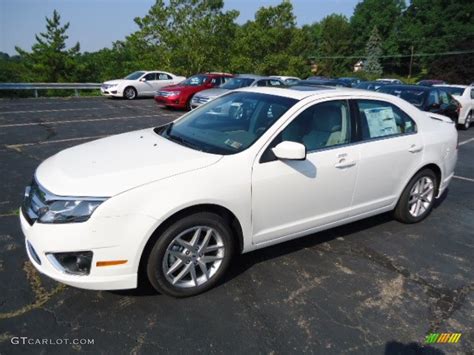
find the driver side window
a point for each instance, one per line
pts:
(321, 126)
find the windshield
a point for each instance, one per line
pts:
(135, 75)
(228, 124)
(453, 90)
(236, 83)
(412, 95)
(195, 80)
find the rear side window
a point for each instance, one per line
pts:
(163, 76)
(472, 94)
(382, 119)
(444, 97)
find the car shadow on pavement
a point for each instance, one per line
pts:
(396, 348)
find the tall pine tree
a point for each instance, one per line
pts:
(373, 51)
(49, 60)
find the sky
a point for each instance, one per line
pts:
(97, 23)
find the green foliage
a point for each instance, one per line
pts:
(190, 36)
(373, 51)
(334, 41)
(49, 59)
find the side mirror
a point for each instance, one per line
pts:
(290, 151)
(142, 80)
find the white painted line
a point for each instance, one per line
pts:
(463, 178)
(73, 121)
(466, 141)
(57, 110)
(16, 146)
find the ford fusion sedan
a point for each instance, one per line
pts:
(139, 83)
(465, 96)
(252, 168)
(426, 98)
(180, 96)
(237, 82)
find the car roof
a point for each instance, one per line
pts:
(317, 91)
(451, 86)
(418, 87)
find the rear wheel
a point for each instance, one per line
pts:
(130, 93)
(191, 255)
(467, 122)
(416, 201)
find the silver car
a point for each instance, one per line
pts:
(237, 82)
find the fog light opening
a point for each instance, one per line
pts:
(74, 263)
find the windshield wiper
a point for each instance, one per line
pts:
(184, 142)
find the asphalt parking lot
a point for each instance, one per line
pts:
(375, 286)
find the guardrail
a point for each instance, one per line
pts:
(50, 86)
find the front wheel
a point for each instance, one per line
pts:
(130, 93)
(191, 255)
(416, 201)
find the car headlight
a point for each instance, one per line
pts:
(67, 211)
(174, 93)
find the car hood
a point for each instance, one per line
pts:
(108, 166)
(212, 92)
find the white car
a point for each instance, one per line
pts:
(252, 168)
(287, 80)
(139, 83)
(389, 81)
(465, 96)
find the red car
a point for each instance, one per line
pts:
(180, 95)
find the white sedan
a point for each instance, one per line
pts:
(252, 168)
(139, 83)
(465, 96)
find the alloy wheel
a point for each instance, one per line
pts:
(467, 122)
(130, 93)
(193, 257)
(421, 196)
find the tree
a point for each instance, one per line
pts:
(186, 36)
(49, 59)
(335, 41)
(373, 51)
(272, 43)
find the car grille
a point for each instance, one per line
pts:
(33, 202)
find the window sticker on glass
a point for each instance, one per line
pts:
(381, 121)
(233, 144)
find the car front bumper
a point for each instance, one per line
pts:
(170, 101)
(108, 239)
(114, 92)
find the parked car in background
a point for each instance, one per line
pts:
(328, 82)
(426, 98)
(178, 201)
(287, 80)
(237, 82)
(465, 96)
(389, 81)
(139, 83)
(430, 82)
(370, 85)
(353, 82)
(180, 96)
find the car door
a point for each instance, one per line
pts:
(145, 86)
(162, 80)
(291, 197)
(390, 149)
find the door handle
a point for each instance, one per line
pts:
(343, 163)
(415, 148)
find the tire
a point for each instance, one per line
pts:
(188, 103)
(418, 197)
(174, 266)
(467, 122)
(130, 93)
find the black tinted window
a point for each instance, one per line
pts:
(150, 76)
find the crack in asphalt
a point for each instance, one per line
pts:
(446, 300)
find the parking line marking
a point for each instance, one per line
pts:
(57, 110)
(16, 146)
(466, 141)
(73, 121)
(463, 178)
